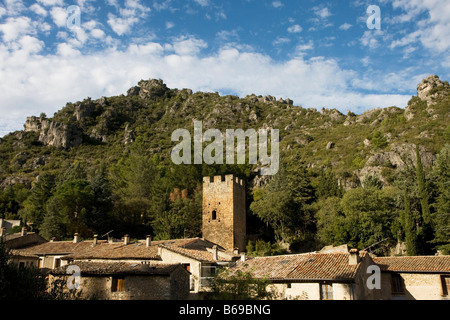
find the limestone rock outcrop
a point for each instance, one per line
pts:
(428, 89)
(59, 135)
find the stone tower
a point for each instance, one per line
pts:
(224, 220)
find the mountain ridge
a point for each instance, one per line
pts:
(150, 111)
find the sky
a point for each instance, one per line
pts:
(320, 54)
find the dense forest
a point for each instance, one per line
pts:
(370, 181)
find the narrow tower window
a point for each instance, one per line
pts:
(214, 215)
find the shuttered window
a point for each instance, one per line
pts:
(445, 285)
(397, 284)
(326, 291)
(118, 284)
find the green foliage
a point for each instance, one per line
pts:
(372, 182)
(422, 188)
(378, 140)
(262, 248)
(441, 219)
(328, 185)
(229, 285)
(19, 283)
(409, 226)
(285, 204)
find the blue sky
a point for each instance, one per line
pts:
(317, 53)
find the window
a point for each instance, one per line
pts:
(326, 291)
(118, 284)
(214, 215)
(57, 263)
(397, 284)
(445, 285)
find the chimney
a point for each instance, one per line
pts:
(75, 238)
(126, 239)
(243, 257)
(236, 251)
(24, 231)
(148, 241)
(52, 239)
(353, 258)
(95, 241)
(215, 253)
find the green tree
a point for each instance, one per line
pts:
(34, 207)
(100, 218)
(372, 182)
(422, 188)
(441, 218)
(328, 185)
(285, 203)
(67, 210)
(230, 285)
(378, 140)
(409, 226)
(19, 283)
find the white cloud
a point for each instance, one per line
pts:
(128, 16)
(98, 33)
(59, 16)
(188, 46)
(345, 26)
(38, 10)
(14, 7)
(295, 29)
(51, 2)
(322, 12)
(280, 41)
(433, 29)
(202, 3)
(15, 27)
(277, 4)
(169, 25)
(121, 25)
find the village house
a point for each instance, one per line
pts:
(314, 275)
(415, 277)
(127, 281)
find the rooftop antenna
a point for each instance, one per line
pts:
(375, 244)
(107, 234)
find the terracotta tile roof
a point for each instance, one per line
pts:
(198, 249)
(439, 264)
(116, 250)
(308, 266)
(117, 268)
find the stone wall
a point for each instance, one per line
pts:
(417, 286)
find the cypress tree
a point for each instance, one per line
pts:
(410, 229)
(422, 188)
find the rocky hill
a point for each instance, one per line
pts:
(378, 142)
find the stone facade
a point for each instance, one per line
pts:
(173, 286)
(224, 220)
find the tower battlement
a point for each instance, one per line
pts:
(221, 179)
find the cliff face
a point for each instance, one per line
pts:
(54, 134)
